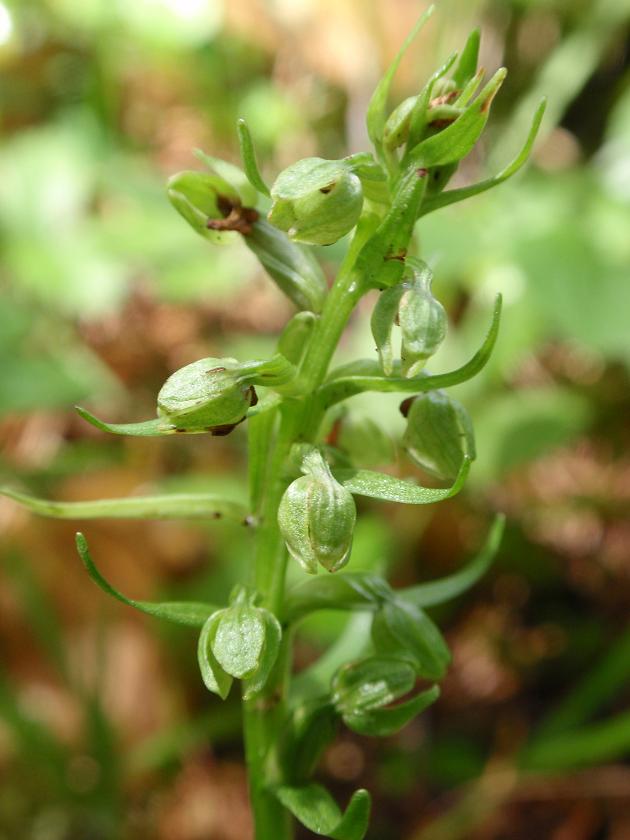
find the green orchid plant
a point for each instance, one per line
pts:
(302, 488)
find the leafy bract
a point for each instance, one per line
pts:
(467, 64)
(146, 428)
(189, 613)
(453, 143)
(402, 630)
(315, 808)
(439, 591)
(378, 485)
(443, 199)
(175, 506)
(248, 156)
(365, 375)
(377, 109)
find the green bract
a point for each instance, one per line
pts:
(316, 517)
(439, 434)
(207, 394)
(316, 201)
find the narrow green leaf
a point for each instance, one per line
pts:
(404, 631)
(248, 156)
(453, 143)
(189, 613)
(315, 808)
(383, 722)
(357, 377)
(453, 196)
(234, 175)
(146, 428)
(377, 485)
(418, 118)
(377, 108)
(176, 506)
(447, 588)
(214, 677)
(467, 64)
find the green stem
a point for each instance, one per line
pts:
(264, 716)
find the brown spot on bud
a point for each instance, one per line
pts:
(253, 396)
(405, 406)
(422, 172)
(327, 188)
(215, 370)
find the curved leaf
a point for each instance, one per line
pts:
(467, 64)
(146, 428)
(453, 143)
(439, 591)
(189, 613)
(315, 808)
(378, 485)
(452, 196)
(382, 722)
(248, 156)
(355, 378)
(176, 506)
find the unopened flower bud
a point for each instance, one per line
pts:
(317, 517)
(439, 434)
(422, 320)
(212, 394)
(199, 197)
(316, 201)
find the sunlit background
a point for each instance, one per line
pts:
(105, 728)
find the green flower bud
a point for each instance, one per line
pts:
(422, 320)
(200, 197)
(316, 201)
(371, 684)
(212, 394)
(317, 517)
(439, 433)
